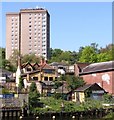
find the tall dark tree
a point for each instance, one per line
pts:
(21, 84)
(33, 96)
(5, 64)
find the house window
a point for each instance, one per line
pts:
(49, 71)
(28, 69)
(46, 78)
(50, 78)
(35, 78)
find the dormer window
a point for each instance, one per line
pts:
(28, 69)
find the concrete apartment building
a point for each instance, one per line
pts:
(29, 32)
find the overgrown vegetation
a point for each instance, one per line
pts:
(54, 105)
(21, 84)
(90, 53)
(33, 96)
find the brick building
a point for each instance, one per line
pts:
(100, 73)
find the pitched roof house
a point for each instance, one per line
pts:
(93, 91)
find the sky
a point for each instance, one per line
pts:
(72, 24)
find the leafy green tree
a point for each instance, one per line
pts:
(21, 84)
(79, 53)
(74, 81)
(33, 96)
(106, 54)
(65, 56)
(107, 98)
(95, 47)
(58, 55)
(32, 58)
(2, 56)
(103, 57)
(56, 52)
(5, 64)
(88, 55)
(57, 84)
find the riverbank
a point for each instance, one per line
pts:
(64, 116)
(93, 114)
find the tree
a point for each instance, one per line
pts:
(33, 96)
(106, 54)
(5, 64)
(65, 56)
(14, 58)
(74, 81)
(103, 57)
(32, 58)
(95, 47)
(21, 83)
(58, 55)
(88, 55)
(56, 52)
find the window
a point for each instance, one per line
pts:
(43, 25)
(43, 17)
(43, 29)
(50, 78)
(28, 69)
(46, 78)
(35, 78)
(49, 71)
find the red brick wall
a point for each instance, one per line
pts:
(104, 79)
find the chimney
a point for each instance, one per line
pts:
(42, 61)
